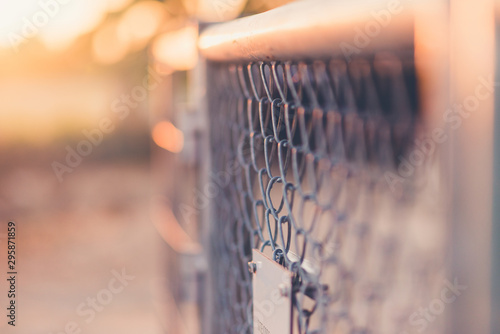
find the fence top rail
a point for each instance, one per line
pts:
(312, 29)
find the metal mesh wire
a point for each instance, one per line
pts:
(303, 153)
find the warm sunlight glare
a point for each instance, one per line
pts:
(141, 21)
(167, 136)
(117, 5)
(177, 49)
(56, 22)
(107, 47)
(218, 11)
(11, 19)
(74, 19)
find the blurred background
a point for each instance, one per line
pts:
(100, 109)
(83, 86)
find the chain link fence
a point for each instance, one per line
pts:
(317, 169)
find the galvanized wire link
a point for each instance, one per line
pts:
(307, 147)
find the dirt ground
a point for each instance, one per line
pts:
(71, 236)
